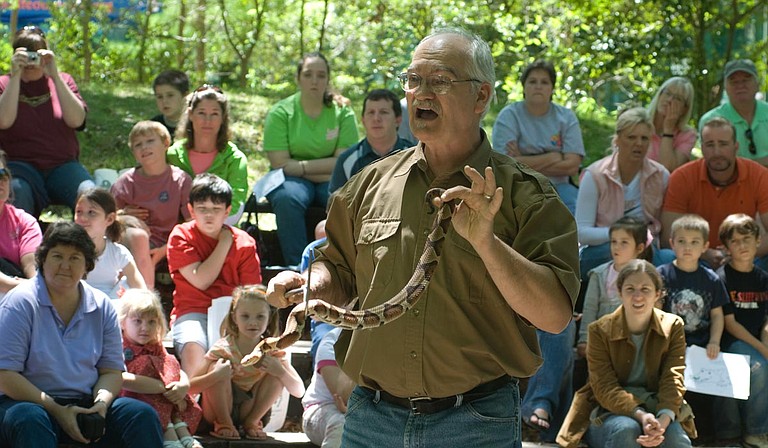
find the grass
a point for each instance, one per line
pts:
(114, 109)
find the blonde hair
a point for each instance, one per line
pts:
(687, 89)
(148, 127)
(248, 292)
(694, 223)
(142, 302)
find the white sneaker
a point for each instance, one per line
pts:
(756, 441)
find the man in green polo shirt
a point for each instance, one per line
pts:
(748, 115)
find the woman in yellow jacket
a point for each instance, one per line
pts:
(636, 359)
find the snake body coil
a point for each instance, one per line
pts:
(373, 317)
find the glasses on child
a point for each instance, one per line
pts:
(750, 137)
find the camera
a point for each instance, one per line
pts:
(91, 426)
(33, 58)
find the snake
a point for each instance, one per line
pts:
(376, 316)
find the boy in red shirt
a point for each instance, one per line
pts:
(207, 259)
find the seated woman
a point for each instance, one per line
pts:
(636, 361)
(304, 135)
(20, 236)
(670, 110)
(541, 134)
(40, 110)
(625, 183)
(203, 146)
(62, 356)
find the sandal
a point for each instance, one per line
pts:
(218, 432)
(541, 423)
(187, 441)
(255, 432)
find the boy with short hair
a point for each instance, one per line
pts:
(170, 88)
(155, 193)
(745, 320)
(207, 259)
(695, 293)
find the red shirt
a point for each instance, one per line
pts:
(690, 191)
(188, 245)
(39, 136)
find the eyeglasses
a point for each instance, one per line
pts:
(752, 147)
(675, 96)
(205, 87)
(32, 29)
(437, 83)
(4, 174)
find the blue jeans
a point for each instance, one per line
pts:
(290, 202)
(619, 431)
(492, 421)
(568, 193)
(749, 414)
(551, 387)
(130, 424)
(34, 190)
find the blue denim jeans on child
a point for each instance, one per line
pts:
(290, 202)
(492, 421)
(749, 414)
(551, 387)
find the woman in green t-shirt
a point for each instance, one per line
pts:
(304, 135)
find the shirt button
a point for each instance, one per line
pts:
(426, 232)
(368, 238)
(413, 355)
(416, 312)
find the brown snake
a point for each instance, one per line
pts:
(373, 317)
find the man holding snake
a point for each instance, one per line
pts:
(445, 373)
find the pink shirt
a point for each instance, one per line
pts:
(201, 161)
(165, 196)
(682, 142)
(20, 233)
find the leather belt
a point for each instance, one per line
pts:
(426, 405)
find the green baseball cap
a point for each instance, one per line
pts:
(740, 65)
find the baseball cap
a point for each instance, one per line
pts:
(740, 65)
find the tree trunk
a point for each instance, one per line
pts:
(180, 34)
(301, 29)
(200, 42)
(322, 27)
(85, 21)
(143, 38)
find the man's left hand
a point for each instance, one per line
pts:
(473, 218)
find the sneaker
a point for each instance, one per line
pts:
(756, 441)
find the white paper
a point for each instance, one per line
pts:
(268, 182)
(725, 376)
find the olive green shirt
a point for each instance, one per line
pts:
(462, 332)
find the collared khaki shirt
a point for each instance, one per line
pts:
(462, 332)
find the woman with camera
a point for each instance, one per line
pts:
(40, 110)
(61, 359)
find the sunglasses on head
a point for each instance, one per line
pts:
(752, 147)
(205, 87)
(32, 29)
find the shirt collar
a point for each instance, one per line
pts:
(479, 159)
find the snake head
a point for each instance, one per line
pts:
(432, 194)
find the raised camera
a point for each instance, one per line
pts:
(33, 58)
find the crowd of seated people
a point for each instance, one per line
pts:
(182, 201)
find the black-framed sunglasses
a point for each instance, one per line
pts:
(205, 87)
(752, 148)
(32, 29)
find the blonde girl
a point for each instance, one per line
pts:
(152, 375)
(237, 395)
(629, 239)
(96, 212)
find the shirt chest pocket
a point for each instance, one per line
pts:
(377, 249)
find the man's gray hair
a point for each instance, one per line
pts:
(480, 61)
